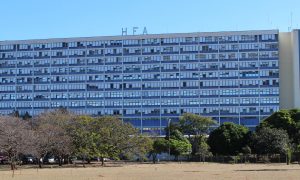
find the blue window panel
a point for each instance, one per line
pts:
(216, 119)
(165, 121)
(134, 122)
(229, 119)
(250, 121)
(151, 122)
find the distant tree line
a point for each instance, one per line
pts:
(279, 134)
(65, 135)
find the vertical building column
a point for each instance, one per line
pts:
(289, 75)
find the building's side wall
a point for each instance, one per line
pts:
(296, 67)
(286, 65)
(289, 70)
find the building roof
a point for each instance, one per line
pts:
(133, 37)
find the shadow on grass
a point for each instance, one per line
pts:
(66, 166)
(6, 167)
(268, 170)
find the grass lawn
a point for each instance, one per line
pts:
(164, 171)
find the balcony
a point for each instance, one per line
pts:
(77, 55)
(151, 53)
(95, 55)
(41, 48)
(92, 46)
(41, 65)
(25, 57)
(59, 56)
(7, 65)
(42, 57)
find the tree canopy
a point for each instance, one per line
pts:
(228, 139)
(288, 120)
(106, 137)
(270, 141)
(193, 124)
(179, 145)
(15, 138)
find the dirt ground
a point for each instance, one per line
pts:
(164, 171)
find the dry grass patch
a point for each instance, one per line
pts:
(164, 171)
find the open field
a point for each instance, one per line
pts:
(164, 171)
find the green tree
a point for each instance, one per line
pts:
(115, 137)
(83, 137)
(159, 146)
(203, 149)
(270, 141)
(228, 139)
(173, 127)
(141, 146)
(195, 126)
(107, 137)
(179, 145)
(288, 120)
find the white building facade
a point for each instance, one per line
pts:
(149, 79)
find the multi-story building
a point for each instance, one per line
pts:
(146, 79)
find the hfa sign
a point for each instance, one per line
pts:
(134, 31)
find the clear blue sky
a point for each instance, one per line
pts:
(32, 19)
